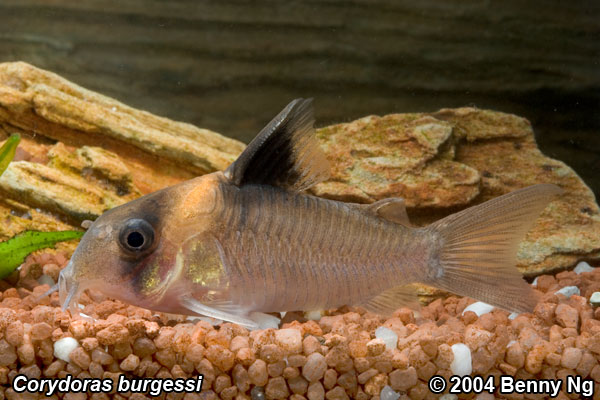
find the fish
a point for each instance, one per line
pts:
(236, 244)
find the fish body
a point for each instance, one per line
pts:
(249, 239)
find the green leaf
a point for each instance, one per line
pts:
(13, 251)
(7, 151)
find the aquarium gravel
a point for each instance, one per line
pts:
(348, 353)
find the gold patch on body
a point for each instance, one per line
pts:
(151, 278)
(153, 285)
(205, 268)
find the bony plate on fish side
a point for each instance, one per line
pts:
(439, 163)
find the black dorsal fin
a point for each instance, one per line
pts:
(284, 154)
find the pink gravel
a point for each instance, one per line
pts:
(337, 357)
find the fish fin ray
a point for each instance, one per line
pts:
(285, 153)
(479, 248)
(220, 311)
(388, 301)
(392, 209)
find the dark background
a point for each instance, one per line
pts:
(232, 65)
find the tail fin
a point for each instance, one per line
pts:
(479, 247)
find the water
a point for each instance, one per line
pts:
(230, 66)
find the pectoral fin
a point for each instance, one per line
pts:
(284, 154)
(392, 209)
(390, 300)
(223, 312)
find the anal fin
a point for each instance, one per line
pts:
(392, 209)
(386, 302)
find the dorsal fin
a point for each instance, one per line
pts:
(393, 209)
(284, 154)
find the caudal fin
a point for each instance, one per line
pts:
(479, 247)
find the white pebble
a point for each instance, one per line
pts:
(313, 315)
(449, 396)
(513, 315)
(479, 308)
(387, 393)
(534, 283)
(265, 321)
(583, 267)
(388, 336)
(568, 291)
(511, 343)
(595, 299)
(461, 365)
(63, 347)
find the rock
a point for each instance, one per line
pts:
(375, 347)
(476, 337)
(82, 153)
(80, 358)
(290, 340)
(409, 155)
(403, 379)
(567, 316)
(571, 357)
(337, 393)
(258, 373)
(8, 355)
(113, 334)
(315, 391)
(315, 367)
(277, 388)
(40, 331)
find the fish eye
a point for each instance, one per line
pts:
(135, 239)
(137, 236)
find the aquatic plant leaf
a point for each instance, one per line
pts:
(7, 151)
(14, 250)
